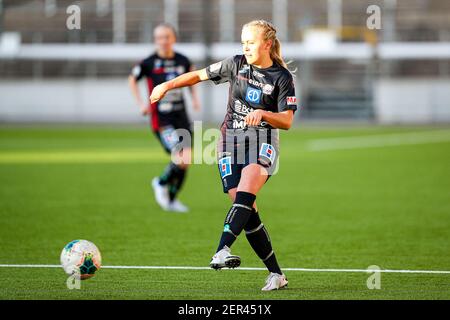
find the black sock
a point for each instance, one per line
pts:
(259, 239)
(237, 218)
(169, 174)
(176, 183)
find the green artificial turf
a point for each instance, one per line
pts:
(340, 208)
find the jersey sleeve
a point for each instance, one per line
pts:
(286, 97)
(222, 71)
(138, 71)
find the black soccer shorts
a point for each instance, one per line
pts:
(238, 148)
(173, 130)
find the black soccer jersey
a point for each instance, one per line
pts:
(158, 70)
(271, 89)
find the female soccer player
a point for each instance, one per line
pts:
(167, 115)
(261, 101)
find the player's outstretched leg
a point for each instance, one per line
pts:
(235, 221)
(259, 239)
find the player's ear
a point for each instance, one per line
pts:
(268, 44)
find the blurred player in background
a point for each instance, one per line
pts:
(168, 114)
(261, 101)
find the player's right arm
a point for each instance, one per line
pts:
(184, 80)
(218, 72)
(133, 78)
(134, 87)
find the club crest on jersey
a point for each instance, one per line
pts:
(225, 167)
(291, 100)
(253, 95)
(268, 88)
(267, 154)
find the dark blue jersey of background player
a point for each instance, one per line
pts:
(168, 116)
(170, 111)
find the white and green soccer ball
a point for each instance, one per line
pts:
(81, 259)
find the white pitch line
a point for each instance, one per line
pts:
(379, 140)
(245, 268)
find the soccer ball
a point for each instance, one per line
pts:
(81, 259)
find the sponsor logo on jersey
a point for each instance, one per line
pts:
(255, 83)
(240, 111)
(253, 95)
(291, 100)
(170, 69)
(158, 63)
(215, 66)
(258, 74)
(267, 152)
(239, 107)
(267, 88)
(159, 68)
(180, 70)
(225, 167)
(165, 107)
(239, 124)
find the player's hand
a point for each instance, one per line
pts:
(158, 92)
(144, 109)
(254, 118)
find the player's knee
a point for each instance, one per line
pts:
(232, 194)
(246, 199)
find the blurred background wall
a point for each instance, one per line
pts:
(348, 68)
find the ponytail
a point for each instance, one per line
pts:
(275, 53)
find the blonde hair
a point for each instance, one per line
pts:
(270, 33)
(167, 26)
